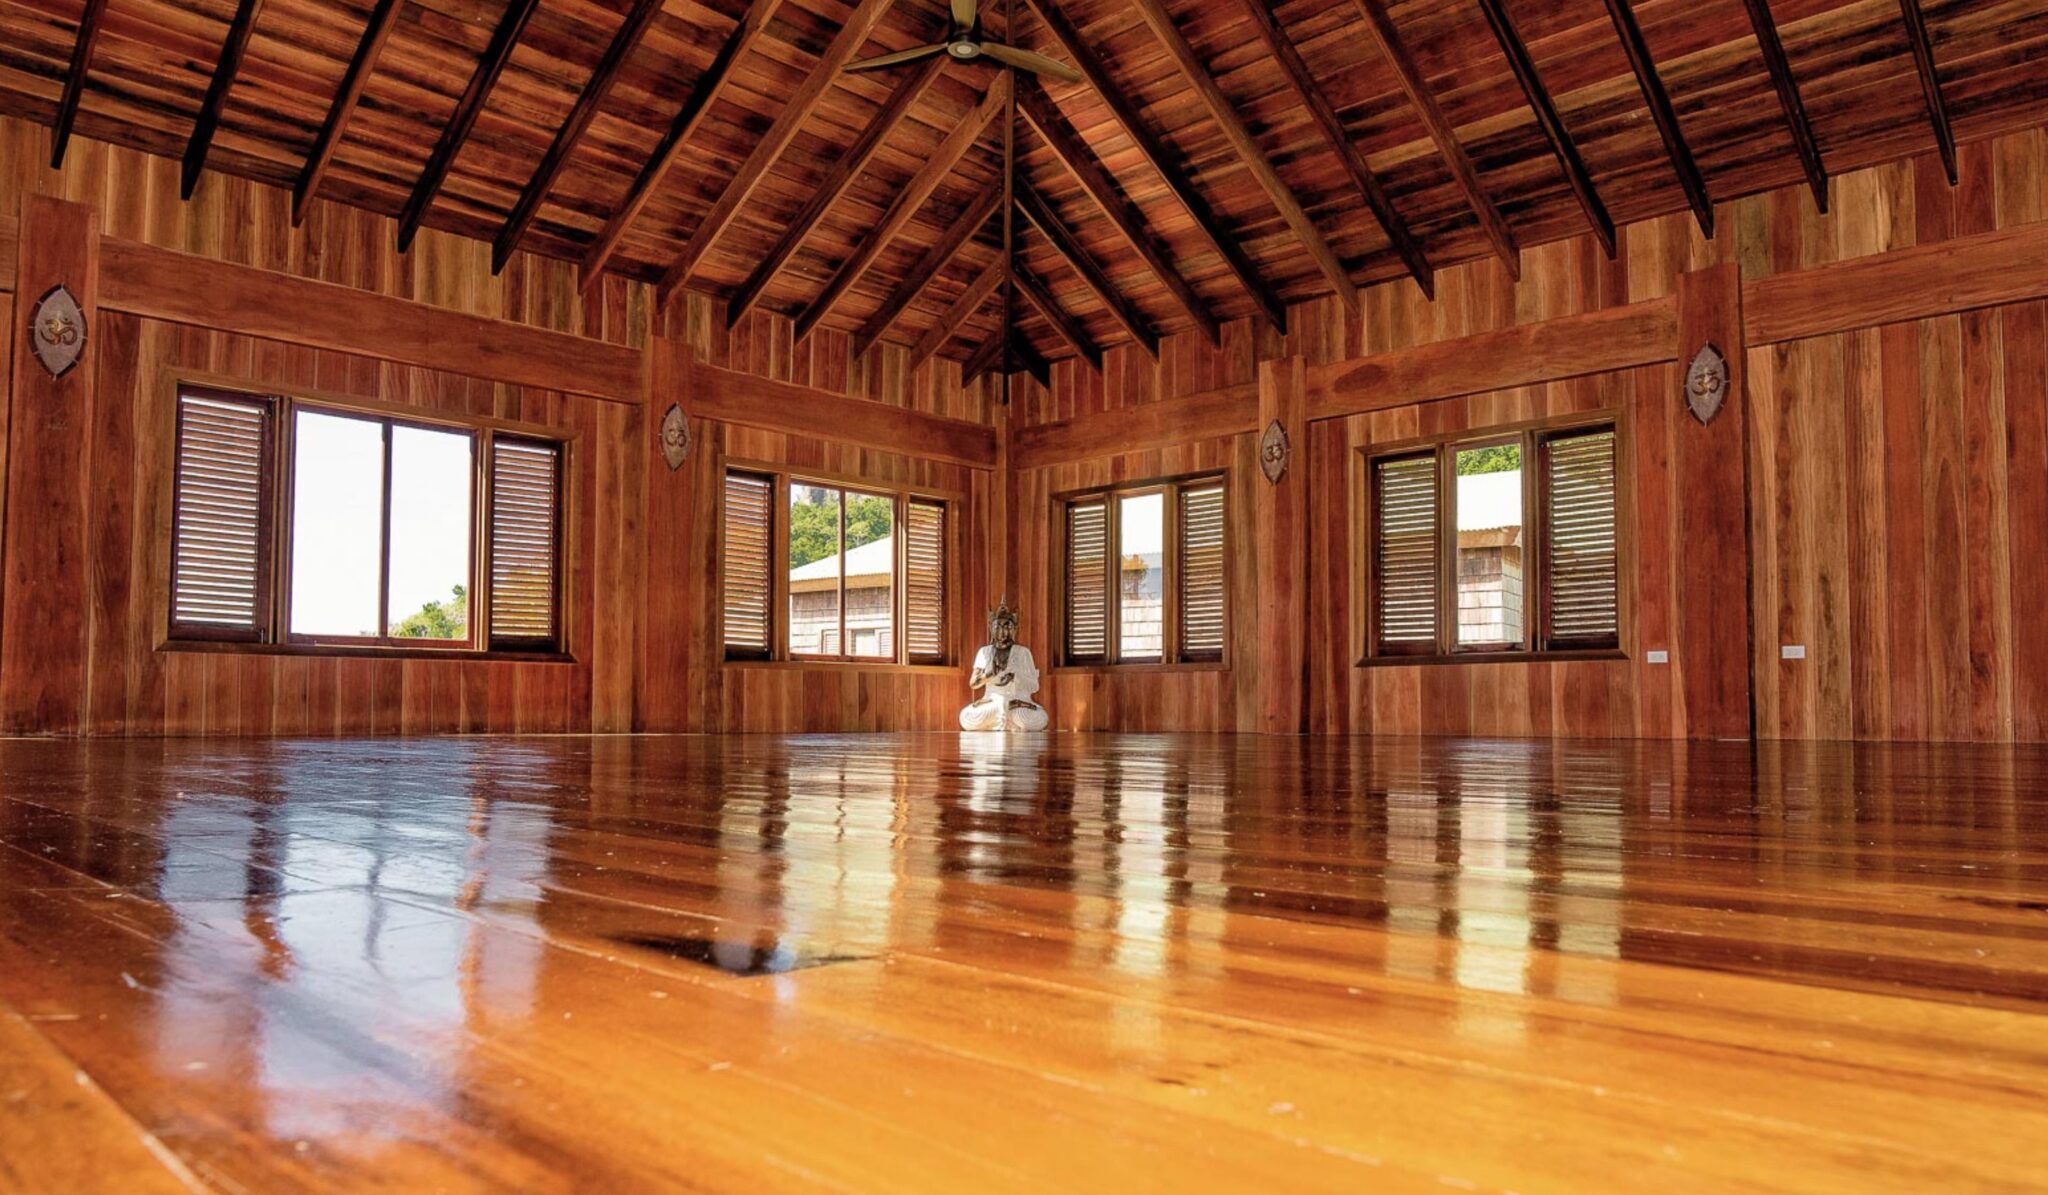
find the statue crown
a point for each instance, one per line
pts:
(1001, 614)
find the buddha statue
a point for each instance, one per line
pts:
(1006, 676)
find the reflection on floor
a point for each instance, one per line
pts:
(1078, 962)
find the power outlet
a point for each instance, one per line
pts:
(1792, 651)
(1658, 656)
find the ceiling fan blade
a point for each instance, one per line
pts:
(1037, 64)
(883, 61)
(963, 15)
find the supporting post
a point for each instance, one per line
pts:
(43, 608)
(1712, 484)
(1279, 602)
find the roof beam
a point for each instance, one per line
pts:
(224, 72)
(383, 19)
(1165, 161)
(907, 201)
(1773, 51)
(1247, 150)
(496, 54)
(962, 308)
(770, 146)
(1332, 127)
(1064, 243)
(983, 359)
(1567, 152)
(1066, 144)
(927, 268)
(639, 19)
(1662, 113)
(1019, 354)
(74, 80)
(834, 184)
(1441, 131)
(1070, 330)
(709, 86)
(1930, 84)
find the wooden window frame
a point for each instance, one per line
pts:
(1534, 644)
(1171, 652)
(779, 652)
(278, 497)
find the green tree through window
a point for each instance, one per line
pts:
(437, 620)
(1497, 458)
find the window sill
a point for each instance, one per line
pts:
(1499, 657)
(1206, 666)
(846, 666)
(337, 651)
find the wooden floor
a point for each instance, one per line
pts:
(1085, 962)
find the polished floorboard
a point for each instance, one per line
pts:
(1073, 962)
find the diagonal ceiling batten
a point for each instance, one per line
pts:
(1064, 243)
(1069, 329)
(383, 19)
(1930, 84)
(74, 80)
(934, 260)
(1576, 176)
(467, 109)
(1247, 150)
(769, 147)
(1661, 111)
(639, 19)
(224, 72)
(709, 86)
(971, 300)
(1773, 51)
(834, 184)
(995, 104)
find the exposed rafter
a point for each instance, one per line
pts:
(1332, 127)
(703, 94)
(962, 309)
(1662, 113)
(935, 259)
(224, 72)
(639, 19)
(1773, 51)
(1059, 136)
(1441, 131)
(1561, 145)
(1020, 355)
(496, 54)
(1070, 330)
(383, 19)
(911, 197)
(834, 184)
(1067, 246)
(1254, 159)
(1164, 161)
(771, 144)
(985, 358)
(1930, 84)
(74, 79)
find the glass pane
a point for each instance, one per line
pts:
(870, 576)
(432, 475)
(1490, 545)
(337, 524)
(813, 570)
(1141, 574)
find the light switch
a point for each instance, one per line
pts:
(1792, 651)
(1658, 656)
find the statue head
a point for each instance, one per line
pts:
(1002, 624)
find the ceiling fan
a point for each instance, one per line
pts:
(964, 42)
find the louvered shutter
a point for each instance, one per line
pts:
(924, 586)
(748, 564)
(221, 519)
(525, 526)
(1581, 565)
(1406, 543)
(1087, 581)
(1201, 572)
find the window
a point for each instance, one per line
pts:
(381, 544)
(1145, 575)
(1500, 543)
(816, 571)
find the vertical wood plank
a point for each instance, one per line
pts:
(1712, 462)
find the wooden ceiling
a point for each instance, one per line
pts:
(1224, 158)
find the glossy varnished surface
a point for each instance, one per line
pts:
(1089, 961)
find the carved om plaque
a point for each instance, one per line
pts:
(1273, 452)
(675, 437)
(1706, 384)
(56, 331)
